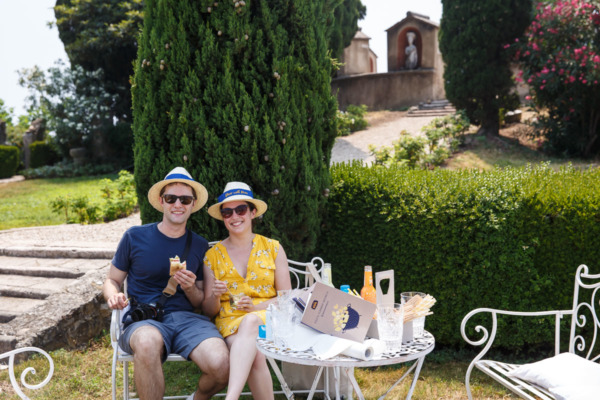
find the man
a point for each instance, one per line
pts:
(143, 257)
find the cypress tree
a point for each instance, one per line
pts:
(477, 76)
(238, 90)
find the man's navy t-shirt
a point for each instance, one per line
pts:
(144, 253)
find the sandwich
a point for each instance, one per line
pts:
(176, 265)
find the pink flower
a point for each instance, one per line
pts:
(597, 58)
(571, 79)
(528, 98)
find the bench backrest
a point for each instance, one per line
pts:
(585, 321)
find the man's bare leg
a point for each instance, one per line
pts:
(147, 345)
(212, 357)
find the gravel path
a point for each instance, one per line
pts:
(383, 132)
(384, 128)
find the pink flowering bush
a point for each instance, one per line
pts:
(560, 61)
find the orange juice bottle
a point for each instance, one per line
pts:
(368, 290)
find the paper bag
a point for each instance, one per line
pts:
(337, 313)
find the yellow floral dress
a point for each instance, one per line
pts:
(259, 283)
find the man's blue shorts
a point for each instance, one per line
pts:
(182, 331)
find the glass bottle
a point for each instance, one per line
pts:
(368, 290)
(326, 275)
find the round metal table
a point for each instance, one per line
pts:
(414, 350)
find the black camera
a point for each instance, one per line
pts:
(142, 312)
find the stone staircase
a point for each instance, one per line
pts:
(434, 108)
(51, 302)
(51, 284)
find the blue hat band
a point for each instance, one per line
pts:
(178, 176)
(234, 192)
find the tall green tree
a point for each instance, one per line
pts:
(477, 76)
(102, 34)
(344, 24)
(239, 91)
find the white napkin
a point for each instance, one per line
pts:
(326, 346)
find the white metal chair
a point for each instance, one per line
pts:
(303, 274)
(581, 311)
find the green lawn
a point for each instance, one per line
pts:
(27, 203)
(85, 374)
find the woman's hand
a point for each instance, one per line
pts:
(245, 304)
(219, 288)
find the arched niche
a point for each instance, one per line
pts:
(403, 42)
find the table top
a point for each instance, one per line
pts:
(413, 350)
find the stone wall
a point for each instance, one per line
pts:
(389, 91)
(68, 319)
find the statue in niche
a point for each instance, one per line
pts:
(412, 57)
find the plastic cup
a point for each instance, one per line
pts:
(390, 323)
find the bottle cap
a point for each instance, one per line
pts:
(368, 268)
(345, 288)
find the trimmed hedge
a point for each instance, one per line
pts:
(9, 161)
(42, 153)
(508, 238)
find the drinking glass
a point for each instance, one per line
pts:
(390, 323)
(418, 323)
(282, 320)
(234, 299)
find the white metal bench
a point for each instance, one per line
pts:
(11, 370)
(584, 310)
(301, 277)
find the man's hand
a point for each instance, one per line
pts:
(186, 279)
(117, 301)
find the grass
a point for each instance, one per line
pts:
(85, 374)
(513, 148)
(27, 203)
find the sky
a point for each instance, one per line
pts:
(26, 40)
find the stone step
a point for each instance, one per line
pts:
(33, 287)
(47, 272)
(50, 267)
(430, 113)
(57, 252)
(10, 307)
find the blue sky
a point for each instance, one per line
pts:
(26, 40)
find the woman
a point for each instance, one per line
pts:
(249, 264)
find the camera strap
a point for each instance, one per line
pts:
(172, 285)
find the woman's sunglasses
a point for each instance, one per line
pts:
(240, 210)
(171, 199)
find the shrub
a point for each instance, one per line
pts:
(80, 209)
(239, 91)
(119, 201)
(442, 137)
(560, 61)
(42, 153)
(119, 195)
(351, 120)
(67, 170)
(9, 161)
(508, 239)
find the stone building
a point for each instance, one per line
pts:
(415, 69)
(358, 58)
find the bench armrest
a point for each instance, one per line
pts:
(489, 337)
(115, 327)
